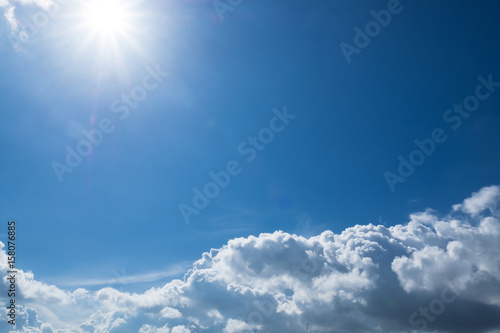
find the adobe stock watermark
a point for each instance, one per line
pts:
(420, 319)
(306, 269)
(454, 117)
(372, 29)
(222, 6)
(221, 179)
(33, 24)
(121, 106)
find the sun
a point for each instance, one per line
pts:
(105, 17)
(109, 32)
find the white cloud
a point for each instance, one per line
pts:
(486, 198)
(36, 16)
(10, 17)
(169, 313)
(367, 279)
(180, 329)
(151, 329)
(236, 326)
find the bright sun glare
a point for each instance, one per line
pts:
(109, 29)
(105, 17)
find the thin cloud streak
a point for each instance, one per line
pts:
(126, 279)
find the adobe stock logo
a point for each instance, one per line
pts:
(222, 6)
(436, 307)
(221, 179)
(427, 146)
(372, 29)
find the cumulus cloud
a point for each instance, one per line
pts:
(180, 329)
(486, 198)
(434, 273)
(235, 326)
(170, 313)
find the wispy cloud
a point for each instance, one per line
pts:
(123, 278)
(17, 25)
(11, 18)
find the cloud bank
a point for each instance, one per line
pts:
(432, 274)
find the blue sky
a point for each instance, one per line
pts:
(221, 79)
